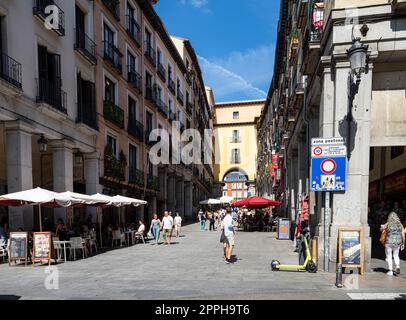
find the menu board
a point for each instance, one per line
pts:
(18, 246)
(42, 246)
(351, 249)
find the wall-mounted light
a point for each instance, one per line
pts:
(43, 144)
(357, 55)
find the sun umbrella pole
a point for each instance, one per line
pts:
(40, 218)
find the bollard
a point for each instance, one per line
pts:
(339, 276)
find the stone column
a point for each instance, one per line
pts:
(179, 195)
(188, 214)
(170, 193)
(62, 171)
(19, 171)
(92, 176)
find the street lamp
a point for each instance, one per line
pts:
(357, 55)
(43, 144)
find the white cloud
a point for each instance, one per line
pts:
(228, 85)
(195, 3)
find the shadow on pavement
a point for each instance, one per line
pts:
(9, 297)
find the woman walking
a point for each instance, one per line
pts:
(202, 220)
(156, 228)
(395, 241)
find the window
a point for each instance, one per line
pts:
(108, 35)
(131, 62)
(148, 79)
(159, 56)
(150, 166)
(236, 115)
(132, 162)
(149, 122)
(79, 20)
(109, 90)
(148, 39)
(235, 156)
(132, 109)
(236, 136)
(130, 12)
(169, 72)
(86, 100)
(112, 142)
(170, 104)
(396, 151)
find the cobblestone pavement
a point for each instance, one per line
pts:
(191, 268)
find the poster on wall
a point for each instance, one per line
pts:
(351, 248)
(18, 250)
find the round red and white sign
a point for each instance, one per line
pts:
(317, 151)
(328, 166)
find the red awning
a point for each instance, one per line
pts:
(257, 203)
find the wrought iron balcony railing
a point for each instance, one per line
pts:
(133, 28)
(149, 93)
(113, 55)
(51, 93)
(162, 107)
(189, 107)
(135, 79)
(150, 53)
(136, 129)
(113, 113)
(161, 71)
(87, 114)
(171, 85)
(85, 46)
(179, 96)
(10, 70)
(39, 10)
(136, 177)
(235, 140)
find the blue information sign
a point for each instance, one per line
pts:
(328, 173)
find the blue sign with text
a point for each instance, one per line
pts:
(328, 173)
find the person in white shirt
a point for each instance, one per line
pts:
(229, 232)
(167, 224)
(178, 224)
(141, 228)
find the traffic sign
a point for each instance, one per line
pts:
(328, 164)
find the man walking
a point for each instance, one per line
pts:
(167, 223)
(229, 233)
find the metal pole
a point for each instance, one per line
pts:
(40, 218)
(326, 231)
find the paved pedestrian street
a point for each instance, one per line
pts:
(191, 268)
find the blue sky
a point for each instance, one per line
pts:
(234, 40)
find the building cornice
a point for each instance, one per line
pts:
(234, 104)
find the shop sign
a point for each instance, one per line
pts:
(351, 248)
(42, 247)
(18, 249)
(395, 183)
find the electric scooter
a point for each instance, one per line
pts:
(308, 265)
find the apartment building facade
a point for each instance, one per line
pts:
(315, 93)
(235, 134)
(79, 99)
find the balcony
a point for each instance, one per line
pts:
(10, 70)
(150, 53)
(136, 129)
(235, 140)
(133, 29)
(113, 167)
(51, 94)
(171, 86)
(39, 10)
(136, 177)
(113, 113)
(87, 115)
(172, 116)
(135, 79)
(152, 182)
(161, 72)
(189, 108)
(85, 46)
(149, 94)
(114, 7)
(148, 141)
(162, 108)
(113, 55)
(179, 97)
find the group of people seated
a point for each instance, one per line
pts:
(259, 220)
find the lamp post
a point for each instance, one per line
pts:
(43, 144)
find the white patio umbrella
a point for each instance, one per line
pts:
(40, 197)
(226, 199)
(210, 202)
(129, 201)
(88, 200)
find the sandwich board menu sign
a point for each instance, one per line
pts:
(351, 248)
(42, 247)
(18, 249)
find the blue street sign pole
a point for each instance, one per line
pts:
(327, 231)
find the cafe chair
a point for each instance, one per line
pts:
(139, 236)
(118, 236)
(3, 249)
(77, 243)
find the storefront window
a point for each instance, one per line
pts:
(396, 152)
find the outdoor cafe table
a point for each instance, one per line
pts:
(130, 234)
(62, 243)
